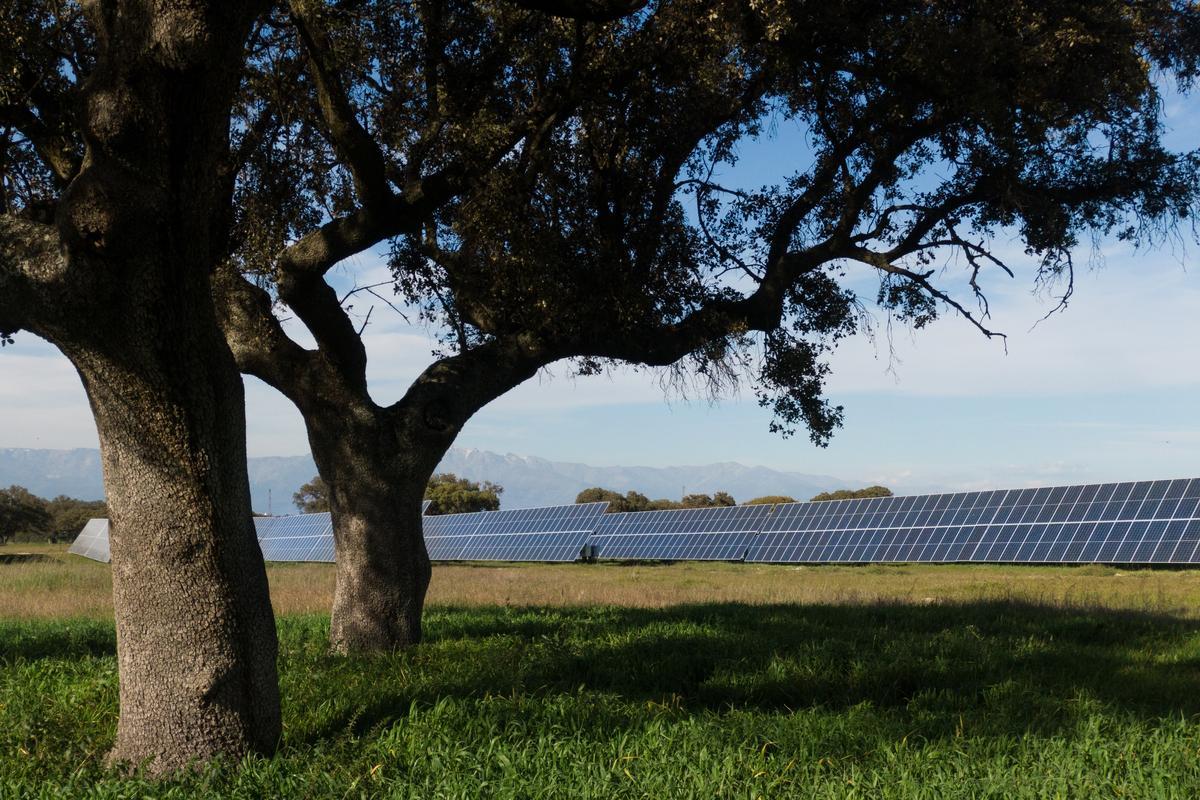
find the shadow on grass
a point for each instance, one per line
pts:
(998, 668)
(33, 641)
(22, 558)
(1006, 668)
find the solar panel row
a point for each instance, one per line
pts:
(694, 534)
(304, 537)
(555, 533)
(1148, 522)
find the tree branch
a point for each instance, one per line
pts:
(353, 143)
(56, 151)
(31, 268)
(880, 261)
(258, 342)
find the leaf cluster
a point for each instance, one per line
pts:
(26, 517)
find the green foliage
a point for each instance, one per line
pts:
(68, 515)
(313, 497)
(985, 699)
(636, 501)
(450, 494)
(25, 517)
(719, 499)
(853, 494)
(770, 499)
(617, 502)
(22, 514)
(566, 173)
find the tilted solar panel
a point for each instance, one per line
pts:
(1147, 522)
(688, 534)
(92, 541)
(554, 533)
(301, 537)
(446, 535)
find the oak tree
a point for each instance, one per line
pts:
(549, 189)
(312, 497)
(140, 143)
(853, 494)
(115, 126)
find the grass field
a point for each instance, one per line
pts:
(664, 681)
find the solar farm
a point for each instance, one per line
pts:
(1144, 522)
(1009, 643)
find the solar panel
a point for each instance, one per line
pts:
(553, 533)
(92, 541)
(300, 537)
(1146, 522)
(689, 534)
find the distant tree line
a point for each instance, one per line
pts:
(446, 492)
(854, 494)
(25, 517)
(636, 501)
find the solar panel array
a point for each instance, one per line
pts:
(1148, 522)
(554, 533)
(689, 534)
(92, 541)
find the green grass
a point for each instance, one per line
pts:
(987, 699)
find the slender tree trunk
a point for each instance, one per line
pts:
(377, 462)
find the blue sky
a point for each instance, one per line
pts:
(1109, 389)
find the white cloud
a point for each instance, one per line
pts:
(1129, 326)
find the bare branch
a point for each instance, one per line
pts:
(881, 262)
(317, 305)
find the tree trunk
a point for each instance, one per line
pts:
(383, 569)
(143, 224)
(196, 642)
(377, 462)
(376, 483)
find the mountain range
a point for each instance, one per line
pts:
(528, 481)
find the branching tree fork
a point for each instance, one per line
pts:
(178, 176)
(123, 161)
(546, 191)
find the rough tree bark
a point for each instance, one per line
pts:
(377, 473)
(376, 478)
(376, 460)
(120, 283)
(196, 639)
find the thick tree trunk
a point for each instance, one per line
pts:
(377, 480)
(142, 225)
(383, 569)
(196, 641)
